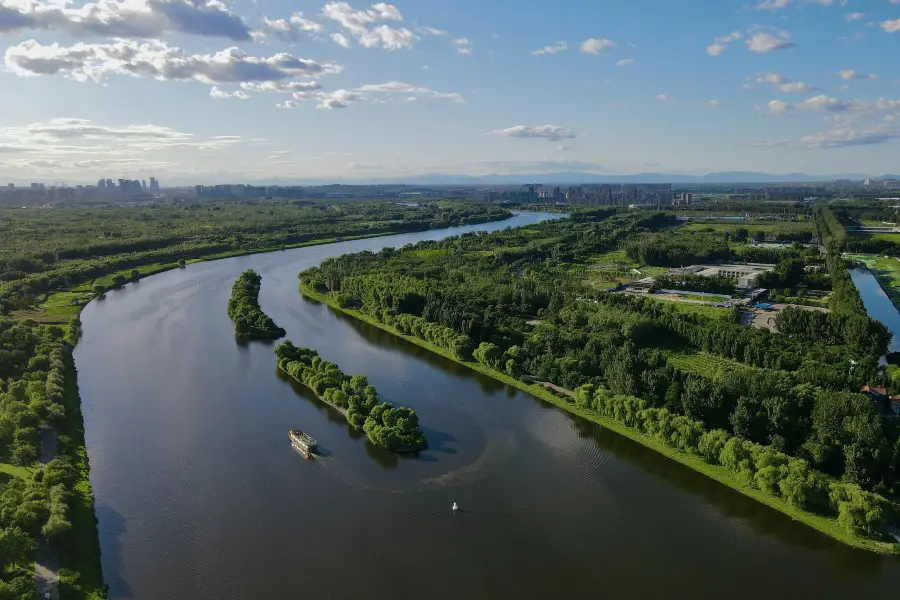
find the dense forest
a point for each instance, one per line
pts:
(250, 322)
(43, 250)
(395, 429)
(51, 502)
(787, 400)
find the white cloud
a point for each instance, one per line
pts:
(720, 43)
(274, 86)
(398, 87)
(857, 16)
(596, 45)
(778, 108)
(823, 103)
(766, 42)
(727, 39)
(84, 62)
(785, 84)
(141, 19)
(891, 26)
(360, 25)
(553, 49)
(625, 62)
(666, 99)
(432, 31)
(773, 4)
(851, 74)
(339, 99)
(341, 40)
(217, 94)
(797, 87)
(548, 132)
(717, 103)
(463, 45)
(291, 30)
(843, 137)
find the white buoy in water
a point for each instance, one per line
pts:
(455, 507)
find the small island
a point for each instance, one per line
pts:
(250, 322)
(396, 429)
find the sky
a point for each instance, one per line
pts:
(210, 91)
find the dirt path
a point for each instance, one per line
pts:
(46, 563)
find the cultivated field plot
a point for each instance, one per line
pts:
(764, 227)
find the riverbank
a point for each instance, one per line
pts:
(80, 574)
(826, 525)
(57, 308)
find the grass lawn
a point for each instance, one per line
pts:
(751, 226)
(704, 298)
(705, 364)
(825, 524)
(615, 268)
(16, 470)
(887, 270)
(712, 312)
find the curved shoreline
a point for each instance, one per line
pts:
(826, 525)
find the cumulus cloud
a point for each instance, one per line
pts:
(144, 19)
(218, 94)
(361, 25)
(463, 45)
(778, 108)
(548, 132)
(763, 42)
(92, 62)
(341, 40)
(552, 49)
(891, 26)
(431, 31)
(596, 45)
(857, 16)
(842, 136)
(625, 62)
(288, 30)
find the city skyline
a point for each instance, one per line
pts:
(196, 90)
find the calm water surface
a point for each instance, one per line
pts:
(877, 303)
(199, 494)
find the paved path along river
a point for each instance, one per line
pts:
(199, 494)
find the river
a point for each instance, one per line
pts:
(200, 496)
(877, 303)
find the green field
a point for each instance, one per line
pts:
(754, 226)
(16, 470)
(703, 363)
(887, 270)
(615, 268)
(688, 308)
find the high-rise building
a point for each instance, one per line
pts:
(101, 184)
(154, 184)
(110, 184)
(144, 184)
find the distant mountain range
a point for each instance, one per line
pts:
(579, 178)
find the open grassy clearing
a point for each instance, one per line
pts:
(752, 227)
(704, 363)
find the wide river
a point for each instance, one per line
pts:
(200, 496)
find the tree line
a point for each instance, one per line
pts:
(793, 390)
(46, 250)
(393, 428)
(250, 322)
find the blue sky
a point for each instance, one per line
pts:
(202, 90)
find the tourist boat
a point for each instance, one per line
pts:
(302, 441)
